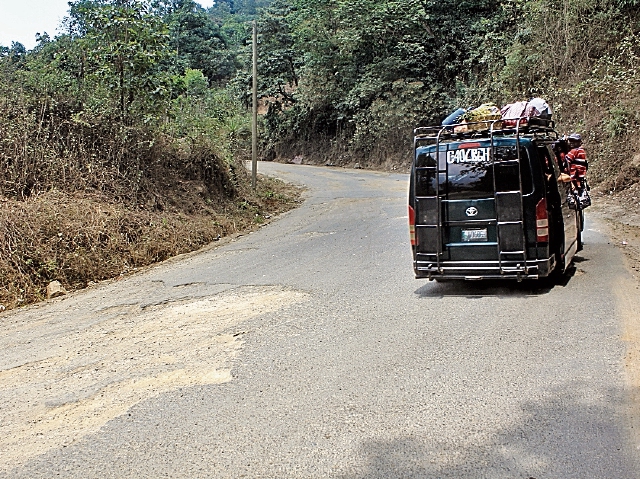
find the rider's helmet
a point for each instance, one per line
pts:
(575, 138)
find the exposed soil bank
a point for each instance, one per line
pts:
(81, 238)
(622, 212)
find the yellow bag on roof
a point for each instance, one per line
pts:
(485, 113)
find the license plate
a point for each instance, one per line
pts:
(469, 236)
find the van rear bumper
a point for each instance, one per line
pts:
(476, 270)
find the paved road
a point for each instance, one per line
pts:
(307, 349)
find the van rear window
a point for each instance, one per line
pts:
(470, 172)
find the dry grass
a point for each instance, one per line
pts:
(82, 238)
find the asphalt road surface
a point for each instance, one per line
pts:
(307, 349)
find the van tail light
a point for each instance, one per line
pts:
(412, 226)
(542, 222)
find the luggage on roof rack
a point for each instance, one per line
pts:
(521, 126)
(534, 109)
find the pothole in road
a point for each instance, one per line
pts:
(96, 374)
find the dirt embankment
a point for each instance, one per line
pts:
(81, 238)
(622, 212)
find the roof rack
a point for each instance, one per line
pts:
(536, 127)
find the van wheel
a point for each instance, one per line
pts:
(556, 274)
(555, 245)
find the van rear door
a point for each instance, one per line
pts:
(473, 212)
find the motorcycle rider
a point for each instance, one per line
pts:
(577, 167)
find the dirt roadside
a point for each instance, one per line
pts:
(621, 212)
(81, 238)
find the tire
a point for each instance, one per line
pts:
(556, 246)
(556, 276)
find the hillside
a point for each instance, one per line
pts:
(122, 144)
(348, 81)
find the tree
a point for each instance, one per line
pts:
(123, 43)
(197, 41)
(278, 59)
(349, 58)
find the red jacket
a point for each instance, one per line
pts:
(577, 161)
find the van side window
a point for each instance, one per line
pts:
(551, 173)
(546, 161)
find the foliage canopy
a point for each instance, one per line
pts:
(338, 78)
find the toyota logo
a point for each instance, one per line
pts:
(472, 211)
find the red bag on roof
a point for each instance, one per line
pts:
(535, 108)
(510, 113)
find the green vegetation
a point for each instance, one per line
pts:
(121, 143)
(132, 85)
(119, 102)
(350, 79)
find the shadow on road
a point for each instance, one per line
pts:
(497, 287)
(580, 259)
(559, 435)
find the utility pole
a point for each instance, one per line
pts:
(254, 124)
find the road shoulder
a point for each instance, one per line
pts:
(619, 216)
